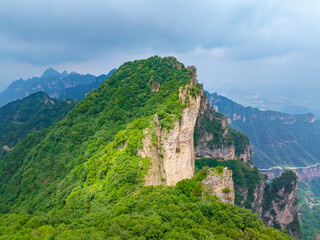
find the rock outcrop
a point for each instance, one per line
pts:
(246, 155)
(275, 203)
(7, 148)
(220, 184)
(214, 139)
(211, 140)
(203, 133)
(172, 157)
(279, 207)
(317, 237)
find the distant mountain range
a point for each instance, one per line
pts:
(33, 113)
(277, 139)
(55, 84)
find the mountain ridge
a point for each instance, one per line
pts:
(33, 113)
(277, 139)
(53, 83)
(83, 177)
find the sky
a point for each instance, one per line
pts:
(262, 52)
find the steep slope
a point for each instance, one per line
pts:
(309, 208)
(33, 113)
(55, 84)
(214, 139)
(275, 203)
(217, 145)
(84, 177)
(277, 139)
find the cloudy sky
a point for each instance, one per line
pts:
(259, 48)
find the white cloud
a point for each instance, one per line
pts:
(236, 44)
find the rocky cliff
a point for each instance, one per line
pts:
(275, 203)
(214, 139)
(280, 204)
(219, 183)
(172, 151)
(201, 132)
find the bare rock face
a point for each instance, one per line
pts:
(317, 237)
(246, 155)
(220, 184)
(172, 157)
(7, 148)
(212, 130)
(280, 204)
(214, 139)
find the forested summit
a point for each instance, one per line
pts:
(83, 177)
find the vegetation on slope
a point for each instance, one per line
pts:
(211, 132)
(33, 113)
(247, 181)
(82, 177)
(244, 178)
(277, 139)
(309, 208)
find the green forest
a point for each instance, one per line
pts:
(309, 207)
(33, 113)
(82, 178)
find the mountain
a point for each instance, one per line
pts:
(215, 145)
(275, 203)
(80, 91)
(277, 139)
(121, 165)
(55, 84)
(33, 113)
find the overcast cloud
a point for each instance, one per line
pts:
(244, 44)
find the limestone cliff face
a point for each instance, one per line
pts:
(212, 131)
(203, 133)
(275, 203)
(257, 197)
(172, 157)
(283, 213)
(213, 138)
(219, 184)
(317, 237)
(246, 155)
(280, 204)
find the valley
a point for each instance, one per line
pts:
(304, 174)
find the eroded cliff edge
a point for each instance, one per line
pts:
(201, 133)
(214, 139)
(172, 151)
(280, 204)
(275, 203)
(219, 182)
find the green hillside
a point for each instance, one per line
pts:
(82, 177)
(309, 208)
(33, 113)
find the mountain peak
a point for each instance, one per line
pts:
(50, 72)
